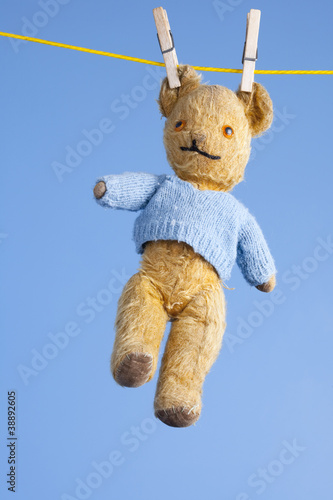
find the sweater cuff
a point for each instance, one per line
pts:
(108, 199)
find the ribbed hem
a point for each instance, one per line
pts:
(201, 243)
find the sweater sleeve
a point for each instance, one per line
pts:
(130, 190)
(253, 256)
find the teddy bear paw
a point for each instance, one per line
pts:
(99, 190)
(178, 416)
(134, 370)
(268, 286)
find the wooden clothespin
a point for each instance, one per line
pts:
(167, 46)
(250, 53)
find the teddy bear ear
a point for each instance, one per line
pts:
(258, 108)
(189, 80)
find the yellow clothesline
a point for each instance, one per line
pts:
(154, 63)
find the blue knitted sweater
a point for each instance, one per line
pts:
(214, 223)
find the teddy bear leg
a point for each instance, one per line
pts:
(140, 324)
(193, 346)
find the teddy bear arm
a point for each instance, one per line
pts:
(254, 258)
(127, 191)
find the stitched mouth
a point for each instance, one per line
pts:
(195, 148)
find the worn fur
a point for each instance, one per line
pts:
(174, 283)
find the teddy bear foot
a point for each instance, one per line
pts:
(134, 370)
(177, 417)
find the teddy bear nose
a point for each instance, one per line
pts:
(198, 139)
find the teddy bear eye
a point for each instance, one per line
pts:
(228, 131)
(180, 125)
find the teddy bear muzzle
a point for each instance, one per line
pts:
(195, 148)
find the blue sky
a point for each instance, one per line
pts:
(266, 425)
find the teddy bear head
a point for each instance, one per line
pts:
(208, 131)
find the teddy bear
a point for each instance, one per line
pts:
(190, 232)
